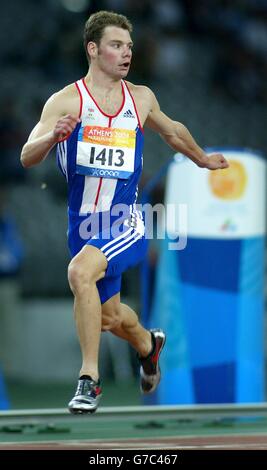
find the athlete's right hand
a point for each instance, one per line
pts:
(64, 127)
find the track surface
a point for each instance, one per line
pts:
(222, 427)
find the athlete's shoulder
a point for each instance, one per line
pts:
(65, 100)
(141, 91)
(68, 92)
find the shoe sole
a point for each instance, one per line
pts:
(78, 409)
(74, 411)
(145, 392)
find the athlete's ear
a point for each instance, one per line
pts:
(92, 49)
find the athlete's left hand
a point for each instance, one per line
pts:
(216, 161)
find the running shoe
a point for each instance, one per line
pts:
(87, 396)
(149, 369)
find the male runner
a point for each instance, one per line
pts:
(97, 124)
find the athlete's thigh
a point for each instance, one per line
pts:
(111, 304)
(122, 251)
(108, 287)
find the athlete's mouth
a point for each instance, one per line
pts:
(125, 64)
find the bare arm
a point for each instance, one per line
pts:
(51, 128)
(179, 138)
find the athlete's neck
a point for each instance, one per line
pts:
(98, 81)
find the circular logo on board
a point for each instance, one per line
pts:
(229, 183)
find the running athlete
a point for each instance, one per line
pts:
(97, 125)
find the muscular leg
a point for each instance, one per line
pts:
(84, 271)
(122, 321)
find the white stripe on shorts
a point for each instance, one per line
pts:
(112, 242)
(125, 247)
(114, 247)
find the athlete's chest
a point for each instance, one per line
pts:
(107, 136)
(110, 104)
(110, 107)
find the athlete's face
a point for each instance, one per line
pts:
(114, 53)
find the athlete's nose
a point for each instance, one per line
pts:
(127, 52)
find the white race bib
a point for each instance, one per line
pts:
(105, 152)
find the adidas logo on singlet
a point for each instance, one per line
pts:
(128, 113)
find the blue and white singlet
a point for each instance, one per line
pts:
(102, 163)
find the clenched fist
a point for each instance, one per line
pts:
(64, 127)
(216, 161)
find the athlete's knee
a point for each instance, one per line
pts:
(78, 280)
(83, 272)
(111, 319)
(110, 324)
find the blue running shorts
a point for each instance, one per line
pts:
(124, 247)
